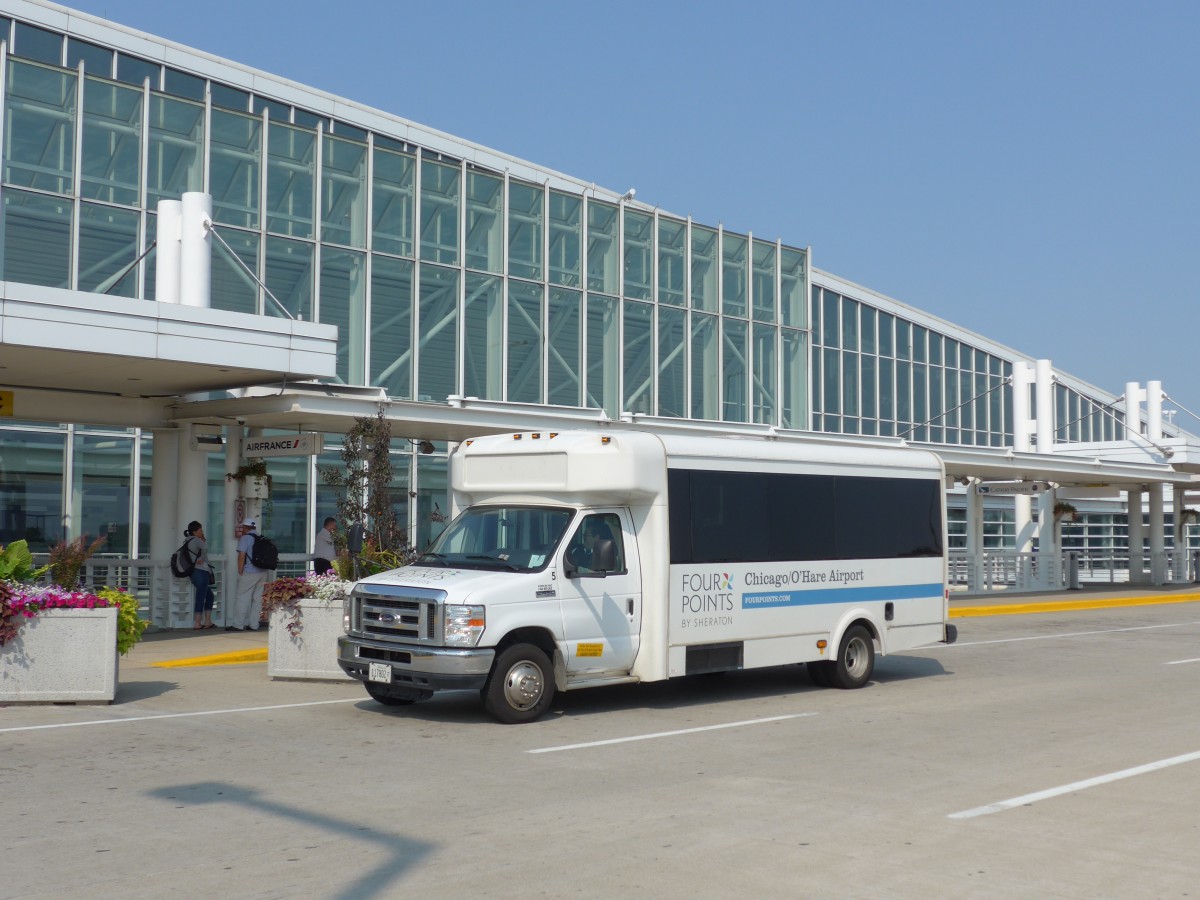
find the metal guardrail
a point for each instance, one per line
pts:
(1069, 569)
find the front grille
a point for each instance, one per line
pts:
(412, 615)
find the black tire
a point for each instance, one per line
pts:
(855, 660)
(381, 694)
(818, 671)
(521, 686)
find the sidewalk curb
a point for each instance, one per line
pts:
(215, 659)
(1011, 609)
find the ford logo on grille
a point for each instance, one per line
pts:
(389, 618)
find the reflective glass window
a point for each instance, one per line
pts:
(734, 274)
(831, 319)
(437, 329)
(432, 486)
(235, 166)
(887, 391)
(440, 194)
(107, 246)
(764, 281)
(228, 97)
(904, 394)
(101, 490)
(181, 84)
(524, 342)
(132, 70)
(485, 223)
(763, 391)
(734, 370)
(602, 250)
(176, 161)
(603, 332)
(96, 60)
(793, 266)
(112, 142)
(849, 324)
(866, 315)
(672, 261)
(565, 239)
(935, 348)
(704, 270)
(904, 343)
(919, 338)
(32, 42)
(31, 494)
(392, 202)
(346, 130)
(920, 407)
(37, 239)
(565, 347)
(672, 362)
(343, 300)
(391, 325)
(232, 287)
(831, 380)
(149, 260)
(705, 350)
(867, 366)
(276, 110)
(639, 254)
(525, 223)
(291, 180)
(483, 336)
(305, 119)
(793, 398)
(344, 192)
(887, 345)
(289, 278)
(639, 357)
(39, 132)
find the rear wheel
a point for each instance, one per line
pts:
(389, 696)
(855, 660)
(521, 685)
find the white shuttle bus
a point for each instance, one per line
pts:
(579, 559)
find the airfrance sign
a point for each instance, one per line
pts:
(1013, 488)
(305, 444)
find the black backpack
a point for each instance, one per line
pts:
(264, 554)
(182, 563)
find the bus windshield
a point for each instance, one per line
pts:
(505, 538)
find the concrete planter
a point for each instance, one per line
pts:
(312, 654)
(256, 487)
(62, 656)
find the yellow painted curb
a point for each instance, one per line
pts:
(1012, 609)
(216, 659)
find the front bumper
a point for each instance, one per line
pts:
(422, 668)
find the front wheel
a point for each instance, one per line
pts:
(855, 660)
(521, 685)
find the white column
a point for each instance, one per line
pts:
(164, 475)
(1133, 410)
(1134, 503)
(1044, 389)
(1158, 537)
(228, 539)
(974, 538)
(1047, 571)
(1180, 557)
(1154, 411)
(1023, 377)
(167, 250)
(191, 503)
(195, 257)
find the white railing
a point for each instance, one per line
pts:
(1009, 570)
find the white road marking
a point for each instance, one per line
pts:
(661, 734)
(1048, 637)
(1180, 662)
(1074, 786)
(206, 712)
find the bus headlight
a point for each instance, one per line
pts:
(464, 625)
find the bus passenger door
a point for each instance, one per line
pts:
(601, 607)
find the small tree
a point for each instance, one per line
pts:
(365, 494)
(67, 559)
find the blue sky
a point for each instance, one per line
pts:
(1027, 170)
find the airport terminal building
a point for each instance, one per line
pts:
(360, 261)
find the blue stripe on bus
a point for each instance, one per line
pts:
(842, 595)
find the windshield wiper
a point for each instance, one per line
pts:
(439, 558)
(495, 559)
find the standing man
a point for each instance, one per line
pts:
(247, 606)
(324, 552)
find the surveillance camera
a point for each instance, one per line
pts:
(241, 421)
(629, 194)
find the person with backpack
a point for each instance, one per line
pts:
(247, 605)
(202, 576)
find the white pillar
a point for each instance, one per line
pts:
(164, 475)
(1022, 378)
(1047, 572)
(167, 250)
(974, 538)
(228, 539)
(191, 503)
(1044, 389)
(195, 257)
(1179, 569)
(1133, 410)
(1154, 416)
(1134, 503)
(1158, 537)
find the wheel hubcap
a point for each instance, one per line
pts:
(856, 657)
(523, 686)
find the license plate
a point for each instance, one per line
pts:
(380, 672)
